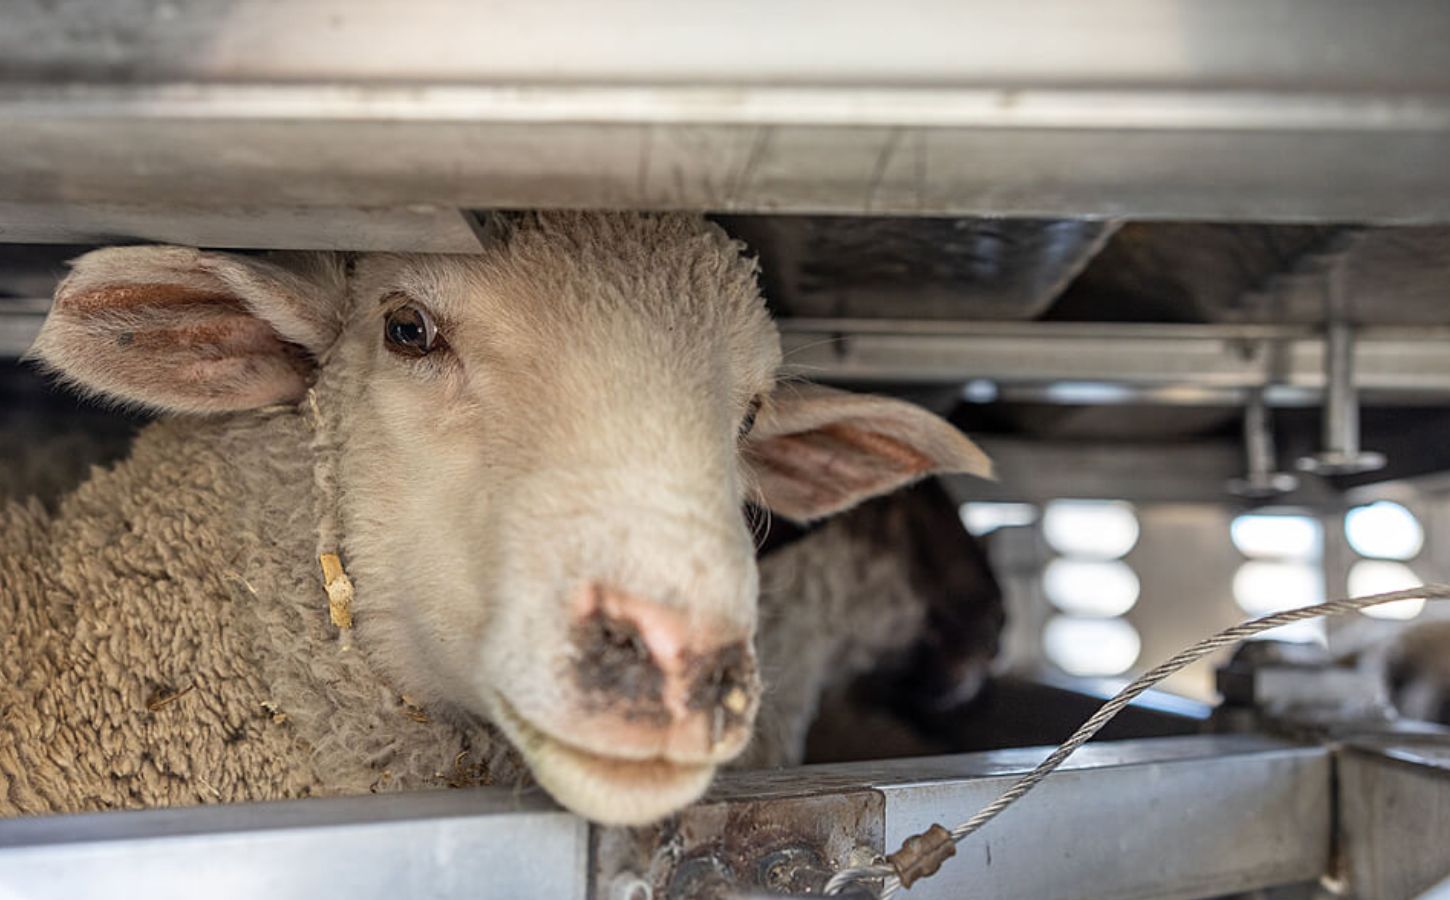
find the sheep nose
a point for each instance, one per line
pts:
(668, 681)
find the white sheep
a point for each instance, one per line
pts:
(531, 463)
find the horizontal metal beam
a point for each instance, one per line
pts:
(1246, 813)
(20, 321)
(478, 844)
(1269, 110)
(1029, 470)
(1205, 362)
(1061, 362)
(1252, 815)
(1301, 45)
(421, 228)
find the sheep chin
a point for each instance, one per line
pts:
(606, 790)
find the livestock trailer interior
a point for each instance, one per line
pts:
(1180, 268)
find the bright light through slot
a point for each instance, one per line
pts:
(1262, 588)
(1384, 530)
(1268, 536)
(1097, 588)
(1373, 576)
(1091, 529)
(981, 517)
(1091, 648)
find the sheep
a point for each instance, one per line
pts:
(1415, 668)
(893, 590)
(893, 599)
(522, 472)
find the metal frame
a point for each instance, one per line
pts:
(1247, 813)
(247, 123)
(1395, 817)
(1196, 364)
(1163, 818)
(1325, 110)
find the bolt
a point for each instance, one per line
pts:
(1261, 481)
(629, 886)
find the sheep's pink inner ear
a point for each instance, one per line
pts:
(816, 452)
(184, 345)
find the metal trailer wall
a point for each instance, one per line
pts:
(1225, 814)
(331, 124)
(393, 115)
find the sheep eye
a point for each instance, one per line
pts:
(409, 331)
(751, 412)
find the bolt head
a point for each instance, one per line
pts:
(1336, 462)
(1262, 485)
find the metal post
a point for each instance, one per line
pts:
(1261, 481)
(1341, 454)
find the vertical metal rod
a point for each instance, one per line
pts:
(1258, 441)
(1261, 481)
(1340, 453)
(1341, 398)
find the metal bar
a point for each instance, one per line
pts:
(1252, 815)
(1261, 480)
(444, 845)
(1126, 331)
(1340, 452)
(20, 321)
(1341, 404)
(1036, 471)
(1293, 44)
(1223, 358)
(1224, 814)
(1066, 363)
(1394, 818)
(1246, 813)
(1209, 109)
(420, 228)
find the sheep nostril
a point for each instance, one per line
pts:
(613, 663)
(724, 684)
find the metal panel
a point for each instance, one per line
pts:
(1147, 824)
(1277, 109)
(1300, 44)
(475, 844)
(1395, 818)
(1440, 891)
(917, 268)
(427, 229)
(1170, 817)
(20, 321)
(1162, 818)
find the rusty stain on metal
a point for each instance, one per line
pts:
(777, 844)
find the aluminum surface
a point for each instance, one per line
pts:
(1174, 817)
(476, 844)
(1394, 818)
(1234, 819)
(1214, 357)
(430, 229)
(1171, 43)
(1215, 109)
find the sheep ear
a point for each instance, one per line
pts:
(815, 451)
(183, 330)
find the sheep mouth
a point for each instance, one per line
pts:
(611, 790)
